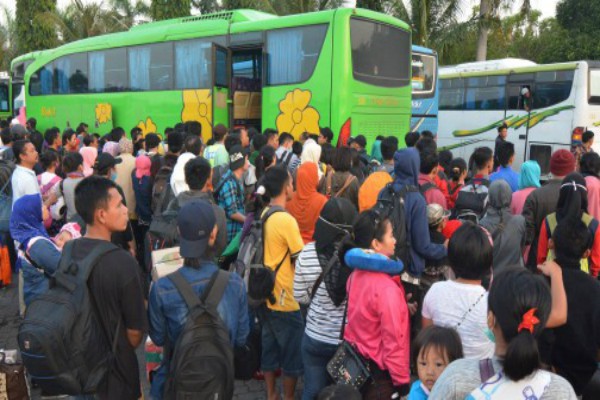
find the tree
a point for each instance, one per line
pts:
(375, 5)
(167, 9)
(128, 13)
(8, 32)
(488, 14)
(34, 33)
(81, 20)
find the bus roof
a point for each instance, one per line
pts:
(501, 67)
(25, 57)
(424, 50)
(217, 24)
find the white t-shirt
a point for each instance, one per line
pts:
(446, 303)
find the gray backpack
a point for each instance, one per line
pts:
(201, 365)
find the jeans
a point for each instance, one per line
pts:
(281, 342)
(315, 356)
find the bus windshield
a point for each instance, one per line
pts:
(423, 75)
(380, 53)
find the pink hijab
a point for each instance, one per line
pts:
(89, 155)
(142, 166)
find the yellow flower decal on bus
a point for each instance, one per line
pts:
(197, 106)
(296, 115)
(147, 126)
(103, 113)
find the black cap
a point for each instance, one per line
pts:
(359, 140)
(195, 221)
(106, 161)
(237, 156)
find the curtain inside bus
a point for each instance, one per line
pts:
(285, 51)
(193, 64)
(97, 62)
(62, 68)
(139, 72)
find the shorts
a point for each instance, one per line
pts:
(281, 342)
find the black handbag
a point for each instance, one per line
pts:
(347, 366)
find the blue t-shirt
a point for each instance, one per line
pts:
(417, 392)
(510, 176)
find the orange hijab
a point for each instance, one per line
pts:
(306, 204)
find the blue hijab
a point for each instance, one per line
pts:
(26, 221)
(530, 175)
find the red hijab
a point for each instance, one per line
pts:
(306, 204)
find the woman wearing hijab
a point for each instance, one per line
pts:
(320, 282)
(529, 180)
(306, 204)
(38, 255)
(89, 155)
(311, 152)
(141, 179)
(572, 204)
(507, 230)
(111, 148)
(590, 169)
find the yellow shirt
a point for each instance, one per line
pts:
(282, 233)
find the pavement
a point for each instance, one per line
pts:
(9, 326)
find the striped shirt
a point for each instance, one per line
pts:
(324, 319)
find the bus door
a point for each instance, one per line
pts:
(221, 74)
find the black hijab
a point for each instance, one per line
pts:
(332, 233)
(572, 200)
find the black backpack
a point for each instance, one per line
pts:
(201, 365)
(390, 204)
(162, 193)
(64, 344)
(427, 186)
(471, 205)
(260, 280)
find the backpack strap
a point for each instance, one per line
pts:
(212, 294)
(486, 369)
(347, 183)
(185, 289)
(424, 188)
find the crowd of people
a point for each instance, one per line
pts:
(440, 277)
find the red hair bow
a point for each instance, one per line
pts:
(529, 321)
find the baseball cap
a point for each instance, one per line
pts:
(359, 140)
(195, 222)
(237, 156)
(436, 214)
(106, 161)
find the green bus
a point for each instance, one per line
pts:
(347, 69)
(16, 96)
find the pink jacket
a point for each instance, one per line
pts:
(518, 200)
(433, 195)
(593, 191)
(378, 322)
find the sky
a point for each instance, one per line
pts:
(548, 7)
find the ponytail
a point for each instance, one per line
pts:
(522, 356)
(521, 303)
(456, 168)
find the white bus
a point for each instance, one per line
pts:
(546, 107)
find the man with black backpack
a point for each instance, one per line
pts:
(472, 200)
(81, 335)
(199, 313)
